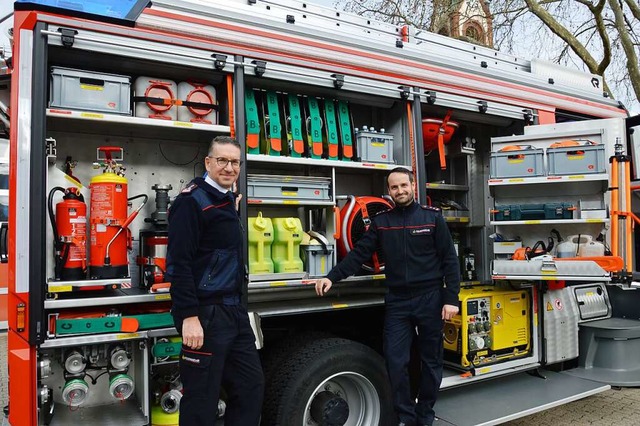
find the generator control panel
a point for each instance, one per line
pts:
(492, 326)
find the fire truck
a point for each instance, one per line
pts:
(111, 107)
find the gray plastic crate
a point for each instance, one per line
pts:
(576, 160)
(317, 261)
(90, 91)
(303, 188)
(375, 147)
(527, 162)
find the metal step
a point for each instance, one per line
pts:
(511, 397)
(609, 352)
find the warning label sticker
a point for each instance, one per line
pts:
(558, 304)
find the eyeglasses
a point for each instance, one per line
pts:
(222, 162)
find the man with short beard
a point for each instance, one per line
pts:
(423, 278)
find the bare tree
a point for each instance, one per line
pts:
(412, 12)
(599, 36)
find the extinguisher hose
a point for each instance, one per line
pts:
(107, 258)
(57, 244)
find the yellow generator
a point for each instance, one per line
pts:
(493, 326)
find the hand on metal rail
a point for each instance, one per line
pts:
(322, 286)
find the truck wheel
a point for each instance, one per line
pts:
(329, 381)
(273, 355)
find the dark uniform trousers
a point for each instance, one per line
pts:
(228, 358)
(403, 315)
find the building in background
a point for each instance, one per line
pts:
(468, 20)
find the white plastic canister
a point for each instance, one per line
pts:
(155, 98)
(580, 246)
(203, 94)
(591, 248)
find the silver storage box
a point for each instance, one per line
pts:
(302, 188)
(505, 249)
(576, 160)
(526, 162)
(90, 91)
(375, 147)
(317, 261)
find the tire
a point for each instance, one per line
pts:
(333, 377)
(274, 355)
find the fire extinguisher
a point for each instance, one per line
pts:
(69, 234)
(110, 237)
(154, 241)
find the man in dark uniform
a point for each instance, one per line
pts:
(423, 277)
(206, 269)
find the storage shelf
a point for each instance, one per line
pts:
(254, 201)
(84, 339)
(307, 281)
(549, 179)
(126, 125)
(549, 278)
(546, 221)
(104, 298)
(137, 121)
(446, 187)
(321, 162)
(126, 412)
(69, 286)
(547, 268)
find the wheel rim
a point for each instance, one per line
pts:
(358, 392)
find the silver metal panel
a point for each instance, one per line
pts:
(297, 74)
(560, 319)
(91, 339)
(322, 162)
(593, 301)
(542, 139)
(453, 379)
(568, 76)
(100, 407)
(308, 305)
(634, 144)
(549, 269)
(117, 297)
(609, 130)
(148, 162)
(136, 48)
(23, 178)
(116, 414)
(510, 397)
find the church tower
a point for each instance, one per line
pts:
(468, 20)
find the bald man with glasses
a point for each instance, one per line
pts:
(206, 268)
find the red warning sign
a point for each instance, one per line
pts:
(558, 304)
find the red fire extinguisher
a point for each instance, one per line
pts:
(110, 237)
(69, 234)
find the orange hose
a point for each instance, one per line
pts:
(628, 221)
(614, 207)
(413, 149)
(232, 127)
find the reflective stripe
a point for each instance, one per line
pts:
(23, 183)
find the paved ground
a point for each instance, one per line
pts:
(616, 407)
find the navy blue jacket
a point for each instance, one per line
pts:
(204, 257)
(418, 251)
